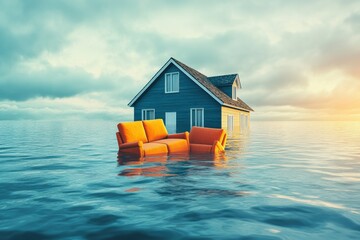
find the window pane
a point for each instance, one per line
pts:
(172, 82)
(167, 82)
(192, 117)
(175, 82)
(198, 117)
(148, 114)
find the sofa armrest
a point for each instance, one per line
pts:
(217, 147)
(178, 135)
(184, 135)
(138, 144)
(119, 139)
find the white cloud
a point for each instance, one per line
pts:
(296, 60)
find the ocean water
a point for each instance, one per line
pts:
(279, 180)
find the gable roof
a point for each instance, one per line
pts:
(202, 81)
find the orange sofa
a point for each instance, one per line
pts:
(207, 140)
(149, 137)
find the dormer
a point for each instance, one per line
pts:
(229, 84)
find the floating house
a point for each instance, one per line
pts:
(184, 97)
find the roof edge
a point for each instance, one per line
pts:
(240, 108)
(148, 84)
(173, 61)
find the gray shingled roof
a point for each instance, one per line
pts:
(223, 80)
(206, 82)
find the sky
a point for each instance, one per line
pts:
(297, 60)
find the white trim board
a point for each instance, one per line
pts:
(235, 107)
(171, 60)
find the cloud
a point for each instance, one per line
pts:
(88, 106)
(51, 82)
(293, 56)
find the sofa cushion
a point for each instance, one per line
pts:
(200, 148)
(199, 135)
(155, 129)
(132, 132)
(175, 145)
(154, 148)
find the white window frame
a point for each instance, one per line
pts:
(202, 120)
(235, 91)
(170, 75)
(143, 113)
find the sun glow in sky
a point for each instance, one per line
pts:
(297, 60)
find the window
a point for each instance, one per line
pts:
(244, 122)
(172, 82)
(230, 123)
(196, 117)
(148, 114)
(235, 92)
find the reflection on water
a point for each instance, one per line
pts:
(142, 168)
(280, 180)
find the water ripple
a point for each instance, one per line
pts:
(280, 180)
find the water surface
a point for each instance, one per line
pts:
(279, 180)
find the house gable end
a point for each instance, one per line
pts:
(162, 69)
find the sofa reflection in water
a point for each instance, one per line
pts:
(139, 166)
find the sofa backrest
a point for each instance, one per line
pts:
(155, 129)
(132, 132)
(200, 135)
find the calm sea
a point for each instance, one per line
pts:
(279, 180)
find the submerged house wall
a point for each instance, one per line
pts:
(241, 119)
(190, 95)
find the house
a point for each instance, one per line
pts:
(184, 97)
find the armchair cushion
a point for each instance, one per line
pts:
(132, 132)
(200, 135)
(155, 129)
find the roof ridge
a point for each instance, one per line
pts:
(207, 83)
(223, 75)
(186, 66)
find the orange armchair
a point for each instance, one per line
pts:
(207, 140)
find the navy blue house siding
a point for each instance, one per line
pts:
(227, 90)
(190, 95)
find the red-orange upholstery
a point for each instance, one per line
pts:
(155, 129)
(175, 145)
(200, 148)
(201, 135)
(207, 140)
(132, 132)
